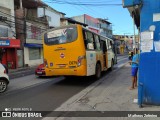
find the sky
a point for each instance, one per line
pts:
(122, 22)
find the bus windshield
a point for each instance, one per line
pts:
(61, 36)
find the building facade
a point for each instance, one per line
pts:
(93, 23)
(9, 45)
(30, 31)
(53, 16)
(69, 21)
(35, 18)
(105, 28)
(97, 25)
(146, 15)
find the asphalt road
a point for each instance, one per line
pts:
(47, 96)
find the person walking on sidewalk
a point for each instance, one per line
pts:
(134, 68)
(130, 56)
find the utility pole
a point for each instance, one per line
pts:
(134, 36)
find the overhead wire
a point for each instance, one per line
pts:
(83, 3)
(86, 2)
(27, 26)
(85, 8)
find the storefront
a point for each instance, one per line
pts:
(33, 54)
(8, 52)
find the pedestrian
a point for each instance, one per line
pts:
(134, 68)
(130, 56)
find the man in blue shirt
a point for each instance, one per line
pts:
(135, 62)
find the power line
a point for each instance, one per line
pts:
(27, 29)
(21, 20)
(85, 8)
(88, 4)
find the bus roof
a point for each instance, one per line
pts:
(61, 27)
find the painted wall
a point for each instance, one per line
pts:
(149, 66)
(55, 17)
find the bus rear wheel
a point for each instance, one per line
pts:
(98, 71)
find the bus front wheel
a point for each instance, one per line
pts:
(98, 71)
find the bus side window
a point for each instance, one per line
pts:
(109, 44)
(103, 46)
(112, 46)
(88, 40)
(85, 38)
(97, 42)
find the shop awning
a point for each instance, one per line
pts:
(31, 45)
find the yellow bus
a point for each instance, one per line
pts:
(76, 51)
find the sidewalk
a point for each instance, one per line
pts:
(20, 72)
(109, 94)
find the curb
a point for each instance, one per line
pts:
(21, 73)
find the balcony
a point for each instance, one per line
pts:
(42, 20)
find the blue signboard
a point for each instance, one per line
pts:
(128, 3)
(4, 42)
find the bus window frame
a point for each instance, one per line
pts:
(72, 26)
(104, 39)
(87, 41)
(98, 49)
(109, 44)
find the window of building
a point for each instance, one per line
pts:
(48, 18)
(3, 32)
(34, 53)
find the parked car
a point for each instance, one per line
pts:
(4, 79)
(40, 71)
(5, 66)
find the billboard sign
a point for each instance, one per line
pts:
(4, 42)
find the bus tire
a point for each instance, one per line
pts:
(98, 71)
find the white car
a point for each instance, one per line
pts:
(4, 79)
